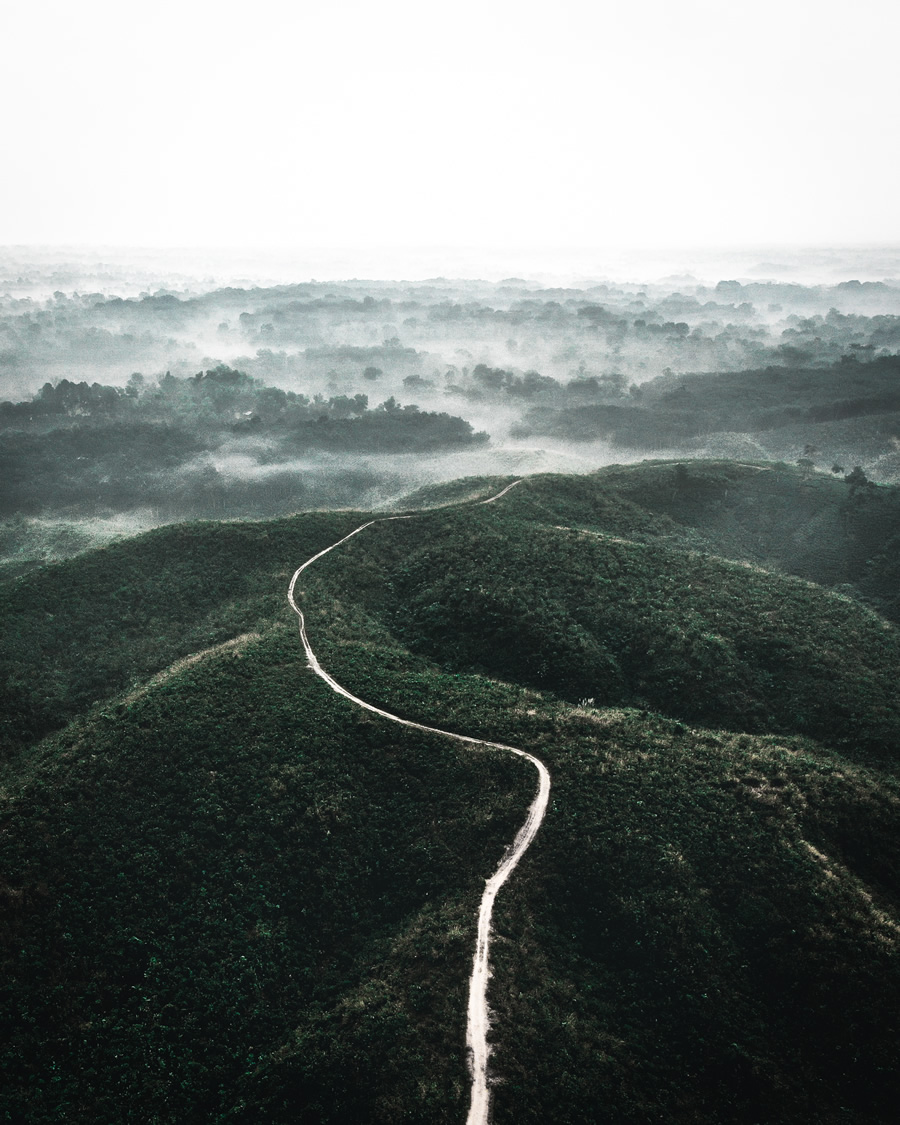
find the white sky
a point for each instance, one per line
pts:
(489, 123)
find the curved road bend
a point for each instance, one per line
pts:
(477, 1018)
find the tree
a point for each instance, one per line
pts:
(857, 479)
(135, 386)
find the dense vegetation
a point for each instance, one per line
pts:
(122, 413)
(825, 414)
(230, 896)
(78, 450)
(603, 333)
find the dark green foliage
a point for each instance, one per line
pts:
(393, 430)
(837, 533)
(676, 408)
(219, 874)
(229, 895)
(589, 614)
(711, 956)
(88, 450)
(706, 928)
(83, 470)
(84, 629)
(455, 492)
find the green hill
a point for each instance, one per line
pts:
(230, 895)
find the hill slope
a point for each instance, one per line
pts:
(232, 896)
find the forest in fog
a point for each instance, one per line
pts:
(124, 409)
(450, 563)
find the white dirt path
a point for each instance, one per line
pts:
(478, 1014)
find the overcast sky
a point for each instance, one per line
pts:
(489, 123)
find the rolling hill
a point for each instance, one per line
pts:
(230, 895)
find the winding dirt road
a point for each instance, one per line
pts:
(478, 1015)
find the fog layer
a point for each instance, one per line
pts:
(127, 408)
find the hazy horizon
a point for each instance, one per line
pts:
(125, 270)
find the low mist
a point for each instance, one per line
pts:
(135, 393)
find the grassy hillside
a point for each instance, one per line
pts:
(86, 628)
(192, 877)
(544, 589)
(231, 896)
(815, 525)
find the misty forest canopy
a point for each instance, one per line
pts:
(78, 449)
(225, 400)
(135, 411)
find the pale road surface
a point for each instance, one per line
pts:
(478, 1016)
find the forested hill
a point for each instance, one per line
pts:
(848, 411)
(218, 443)
(231, 896)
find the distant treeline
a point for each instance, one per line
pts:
(668, 411)
(321, 328)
